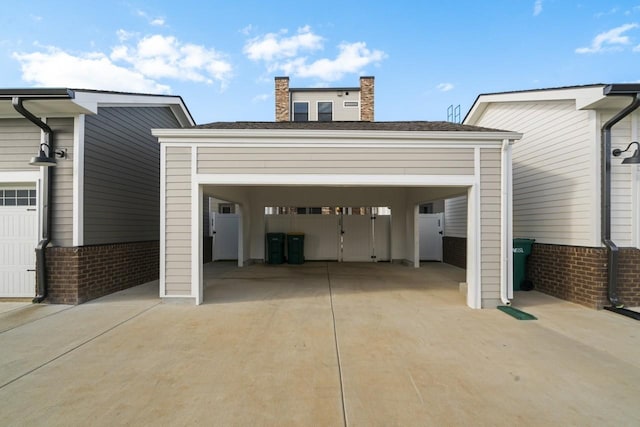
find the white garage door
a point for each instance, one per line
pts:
(18, 239)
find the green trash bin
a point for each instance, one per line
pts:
(521, 251)
(295, 248)
(275, 248)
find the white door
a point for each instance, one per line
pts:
(356, 238)
(431, 230)
(18, 240)
(225, 236)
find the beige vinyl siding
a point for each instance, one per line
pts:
(19, 141)
(122, 174)
(490, 215)
(552, 175)
(622, 189)
(363, 161)
(178, 221)
(455, 217)
(340, 112)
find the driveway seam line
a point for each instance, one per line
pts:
(76, 347)
(335, 338)
(35, 320)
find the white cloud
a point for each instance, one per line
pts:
(133, 67)
(94, 70)
(537, 8)
(246, 30)
(609, 40)
(157, 22)
(445, 87)
(289, 55)
(351, 59)
(159, 56)
(273, 46)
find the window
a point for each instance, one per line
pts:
(427, 208)
(18, 197)
(325, 111)
(226, 208)
(300, 111)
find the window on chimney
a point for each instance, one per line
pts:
(325, 111)
(300, 111)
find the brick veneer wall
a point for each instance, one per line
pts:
(579, 274)
(454, 251)
(79, 274)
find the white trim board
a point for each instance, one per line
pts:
(337, 180)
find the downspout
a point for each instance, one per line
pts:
(505, 224)
(612, 249)
(41, 275)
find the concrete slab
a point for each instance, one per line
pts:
(321, 344)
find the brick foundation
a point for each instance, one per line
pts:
(579, 274)
(454, 251)
(573, 273)
(79, 274)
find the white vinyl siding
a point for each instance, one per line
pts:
(490, 214)
(553, 180)
(177, 232)
(374, 161)
(455, 217)
(622, 188)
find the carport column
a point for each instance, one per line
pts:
(197, 288)
(474, 239)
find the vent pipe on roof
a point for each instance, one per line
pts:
(612, 249)
(41, 274)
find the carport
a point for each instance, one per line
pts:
(395, 164)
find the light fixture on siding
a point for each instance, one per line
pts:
(44, 159)
(633, 160)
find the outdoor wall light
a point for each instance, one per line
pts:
(633, 160)
(44, 159)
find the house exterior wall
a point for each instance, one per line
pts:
(553, 178)
(122, 174)
(19, 141)
(337, 98)
(359, 161)
(177, 230)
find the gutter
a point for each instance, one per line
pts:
(605, 230)
(41, 275)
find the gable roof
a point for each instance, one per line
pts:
(52, 102)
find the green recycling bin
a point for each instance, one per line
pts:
(275, 248)
(521, 251)
(295, 248)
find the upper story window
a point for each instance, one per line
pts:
(325, 111)
(300, 111)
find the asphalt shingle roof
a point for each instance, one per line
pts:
(413, 126)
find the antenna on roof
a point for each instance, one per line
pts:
(453, 114)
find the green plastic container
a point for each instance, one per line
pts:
(521, 251)
(275, 248)
(295, 248)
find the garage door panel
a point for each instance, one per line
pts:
(18, 239)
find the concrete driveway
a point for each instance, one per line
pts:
(320, 344)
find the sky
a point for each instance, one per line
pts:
(222, 56)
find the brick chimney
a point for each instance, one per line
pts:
(282, 99)
(366, 99)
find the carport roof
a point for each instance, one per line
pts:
(412, 126)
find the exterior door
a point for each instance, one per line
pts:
(225, 236)
(18, 240)
(431, 230)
